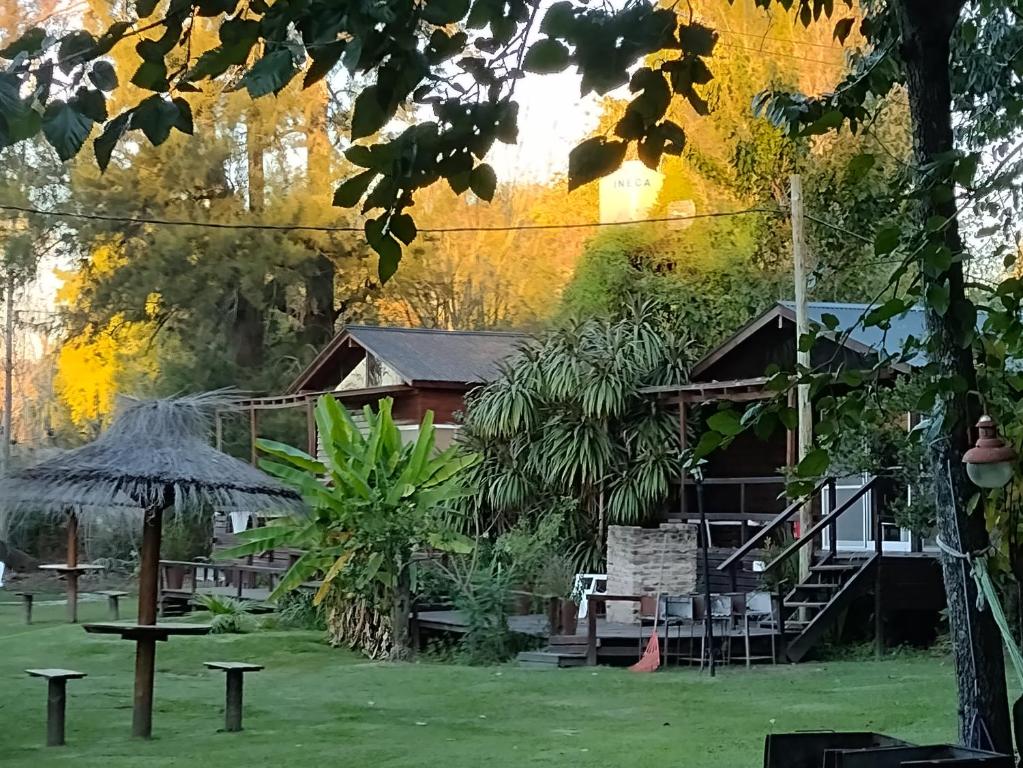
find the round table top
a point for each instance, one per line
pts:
(146, 631)
(65, 568)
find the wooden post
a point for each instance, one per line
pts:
(114, 607)
(219, 421)
(253, 430)
(233, 704)
(833, 528)
(879, 554)
(72, 562)
(26, 598)
(782, 649)
(708, 620)
(803, 407)
(56, 698)
(312, 446)
(145, 649)
(682, 443)
(591, 632)
(8, 407)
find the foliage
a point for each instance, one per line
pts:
(296, 610)
(483, 592)
(526, 546)
(565, 428)
(375, 503)
(556, 577)
(230, 616)
(187, 536)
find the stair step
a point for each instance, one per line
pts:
(550, 660)
(817, 585)
(835, 568)
(804, 604)
(567, 640)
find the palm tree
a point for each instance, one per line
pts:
(567, 427)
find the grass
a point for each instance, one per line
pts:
(314, 705)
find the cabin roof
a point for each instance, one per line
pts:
(419, 356)
(860, 340)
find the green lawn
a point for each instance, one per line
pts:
(315, 706)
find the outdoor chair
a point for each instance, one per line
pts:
(721, 619)
(587, 584)
(678, 612)
(760, 613)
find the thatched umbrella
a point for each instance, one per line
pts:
(154, 460)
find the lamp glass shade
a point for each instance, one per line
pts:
(990, 475)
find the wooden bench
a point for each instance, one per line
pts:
(113, 597)
(26, 600)
(56, 698)
(233, 701)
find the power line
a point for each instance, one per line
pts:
(318, 228)
(785, 55)
(831, 47)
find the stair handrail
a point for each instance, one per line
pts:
(776, 522)
(806, 537)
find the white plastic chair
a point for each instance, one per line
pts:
(587, 584)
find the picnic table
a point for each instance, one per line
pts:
(71, 572)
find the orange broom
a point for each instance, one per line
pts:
(650, 661)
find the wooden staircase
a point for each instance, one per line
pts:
(814, 604)
(561, 651)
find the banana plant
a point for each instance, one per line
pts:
(373, 504)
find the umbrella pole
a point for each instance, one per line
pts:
(145, 648)
(72, 563)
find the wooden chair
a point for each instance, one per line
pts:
(56, 698)
(679, 611)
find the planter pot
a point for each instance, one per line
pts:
(174, 577)
(569, 617)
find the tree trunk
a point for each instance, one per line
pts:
(319, 284)
(926, 27)
(318, 328)
(401, 648)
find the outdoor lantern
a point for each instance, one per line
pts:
(989, 463)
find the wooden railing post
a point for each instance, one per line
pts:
(879, 557)
(591, 632)
(833, 528)
(780, 625)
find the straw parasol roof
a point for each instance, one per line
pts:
(156, 454)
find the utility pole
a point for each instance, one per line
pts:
(5, 452)
(804, 409)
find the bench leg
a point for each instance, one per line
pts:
(145, 665)
(28, 608)
(114, 608)
(233, 704)
(55, 700)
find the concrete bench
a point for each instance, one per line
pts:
(233, 702)
(113, 597)
(56, 697)
(26, 600)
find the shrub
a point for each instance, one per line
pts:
(230, 616)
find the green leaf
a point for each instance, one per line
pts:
(725, 422)
(861, 164)
(885, 312)
(155, 116)
(403, 227)
(829, 321)
(368, 116)
(592, 159)
(104, 144)
(697, 39)
(886, 239)
(937, 297)
(151, 76)
(546, 56)
(558, 20)
(351, 190)
(842, 29)
(65, 128)
(144, 8)
(184, 120)
(92, 104)
(103, 75)
(814, 464)
(31, 42)
(443, 12)
(75, 49)
(300, 459)
(483, 182)
(270, 74)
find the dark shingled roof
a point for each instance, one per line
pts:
(912, 323)
(425, 354)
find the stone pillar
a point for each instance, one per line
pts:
(634, 564)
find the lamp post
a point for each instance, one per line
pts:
(990, 463)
